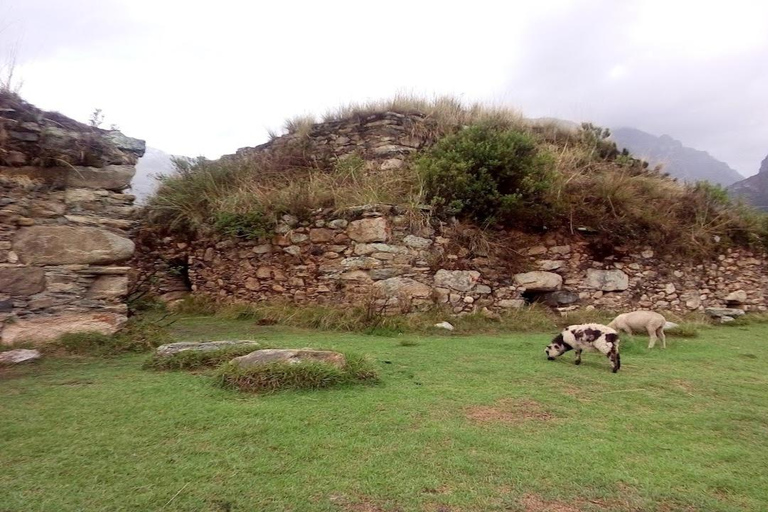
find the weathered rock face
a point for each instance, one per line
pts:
(539, 281)
(17, 356)
(202, 346)
(63, 218)
(395, 286)
(20, 281)
(111, 177)
(607, 280)
(459, 280)
(405, 273)
(369, 230)
(68, 245)
(290, 356)
(40, 329)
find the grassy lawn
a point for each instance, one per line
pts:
(458, 423)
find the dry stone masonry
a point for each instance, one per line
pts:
(374, 255)
(379, 255)
(64, 224)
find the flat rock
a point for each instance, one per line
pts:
(417, 242)
(737, 297)
(539, 281)
(110, 177)
(444, 325)
(403, 286)
(108, 287)
(170, 349)
(459, 280)
(721, 312)
(374, 229)
(16, 281)
(560, 298)
(290, 356)
(48, 328)
(68, 245)
(607, 280)
(20, 355)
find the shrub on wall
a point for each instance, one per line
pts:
(488, 175)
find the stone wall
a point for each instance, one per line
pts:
(379, 254)
(64, 223)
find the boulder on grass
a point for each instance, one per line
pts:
(290, 356)
(20, 355)
(719, 313)
(201, 346)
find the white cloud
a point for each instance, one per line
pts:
(201, 77)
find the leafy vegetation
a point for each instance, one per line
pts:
(306, 375)
(469, 423)
(489, 175)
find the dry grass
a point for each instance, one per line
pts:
(594, 188)
(445, 113)
(508, 411)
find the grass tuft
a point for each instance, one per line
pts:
(196, 359)
(138, 335)
(306, 375)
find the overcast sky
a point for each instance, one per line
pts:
(207, 77)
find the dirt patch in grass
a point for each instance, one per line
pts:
(683, 385)
(508, 411)
(535, 503)
(359, 504)
(436, 507)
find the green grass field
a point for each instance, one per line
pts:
(457, 423)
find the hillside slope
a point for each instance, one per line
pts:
(679, 161)
(154, 163)
(754, 189)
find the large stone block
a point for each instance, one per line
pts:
(369, 230)
(18, 281)
(290, 356)
(17, 356)
(395, 286)
(203, 346)
(48, 328)
(607, 280)
(459, 280)
(67, 245)
(110, 177)
(108, 287)
(539, 281)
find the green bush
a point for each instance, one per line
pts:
(488, 175)
(309, 375)
(195, 360)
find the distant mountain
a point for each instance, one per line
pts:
(154, 163)
(679, 161)
(754, 189)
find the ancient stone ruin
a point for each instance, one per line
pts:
(64, 224)
(381, 255)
